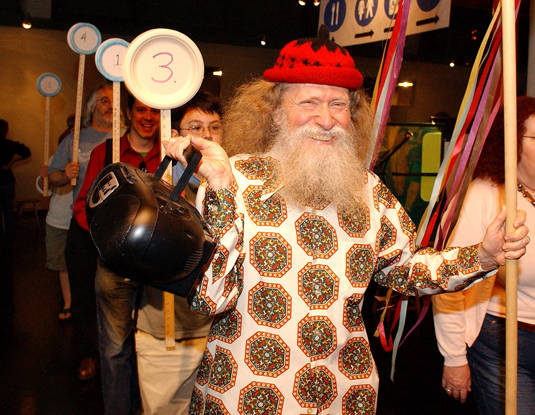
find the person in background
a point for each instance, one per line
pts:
(166, 377)
(116, 295)
(58, 219)
(80, 254)
(470, 325)
(11, 152)
(301, 228)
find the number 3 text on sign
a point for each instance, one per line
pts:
(166, 66)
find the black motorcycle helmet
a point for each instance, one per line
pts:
(142, 234)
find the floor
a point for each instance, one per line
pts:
(38, 362)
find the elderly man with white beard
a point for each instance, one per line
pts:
(302, 227)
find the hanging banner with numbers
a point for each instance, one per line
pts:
(353, 22)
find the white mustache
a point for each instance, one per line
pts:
(318, 133)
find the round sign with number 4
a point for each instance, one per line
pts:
(83, 38)
(163, 68)
(110, 57)
(48, 84)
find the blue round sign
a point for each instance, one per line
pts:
(84, 38)
(365, 11)
(334, 14)
(427, 5)
(48, 84)
(391, 8)
(109, 58)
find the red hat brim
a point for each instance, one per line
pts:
(324, 75)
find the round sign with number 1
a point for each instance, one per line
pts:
(110, 57)
(163, 68)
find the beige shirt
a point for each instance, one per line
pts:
(459, 316)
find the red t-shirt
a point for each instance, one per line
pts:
(97, 163)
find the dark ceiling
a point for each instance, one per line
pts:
(245, 22)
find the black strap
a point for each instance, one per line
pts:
(161, 168)
(193, 157)
(109, 152)
(184, 179)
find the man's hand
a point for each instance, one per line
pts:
(495, 248)
(456, 381)
(215, 164)
(72, 170)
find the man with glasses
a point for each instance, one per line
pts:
(80, 254)
(200, 117)
(115, 295)
(166, 377)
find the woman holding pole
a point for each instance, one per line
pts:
(470, 325)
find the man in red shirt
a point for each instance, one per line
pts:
(140, 147)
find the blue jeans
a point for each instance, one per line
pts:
(486, 359)
(116, 329)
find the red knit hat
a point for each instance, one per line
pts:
(315, 61)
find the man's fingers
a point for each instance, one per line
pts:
(199, 143)
(520, 232)
(175, 147)
(462, 396)
(459, 394)
(456, 394)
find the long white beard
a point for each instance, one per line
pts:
(312, 174)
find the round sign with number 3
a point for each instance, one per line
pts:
(110, 57)
(163, 68)
(83, 38)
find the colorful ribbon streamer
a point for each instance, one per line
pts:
(478, 109)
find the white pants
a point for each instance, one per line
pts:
(166, 377)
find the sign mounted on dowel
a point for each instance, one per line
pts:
(353, 22)
(109, 60)
(84, 39)
(164, 69)
(48, 85)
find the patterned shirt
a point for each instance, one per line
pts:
(287, 284)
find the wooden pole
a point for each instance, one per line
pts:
(116, 132)
(168, 298)
(78, 111)
(511, 266)
(46, 150)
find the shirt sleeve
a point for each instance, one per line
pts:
(449, 309)
(23, 151)
(62, 156)
(96, 164)
(223, 281)
(418, 271)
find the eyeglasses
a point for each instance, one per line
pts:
(200, 129)
(104, 101)
(529, 136)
